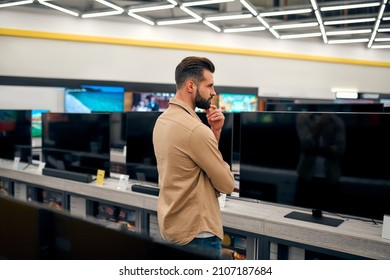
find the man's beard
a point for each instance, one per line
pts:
(200, 102)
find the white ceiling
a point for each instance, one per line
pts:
(323, 20)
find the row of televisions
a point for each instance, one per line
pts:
(333, 161)
(89, 98)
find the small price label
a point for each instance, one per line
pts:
(16, 165)
(123, 181)
(40, 167)
(100, 177)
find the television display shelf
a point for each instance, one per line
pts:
(352, 239)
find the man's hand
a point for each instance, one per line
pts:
(216, 119)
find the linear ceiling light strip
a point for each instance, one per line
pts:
(205, 2)
(191, 13)
(348, 7)
(151, 8)
(318, 15)
(212, 26)
(304, 35)
(16, 3)
(377, 24)
(141, 18)
(58, 8)
(244, 29)
(116, 10)
(285, 13)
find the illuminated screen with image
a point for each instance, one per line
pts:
(36, 125)
(151, 101)
(90, 98)
(238, 102)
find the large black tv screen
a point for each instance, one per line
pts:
(225, 144)
(330, 161)
(141, 161)
(15, 134)
(76, 142)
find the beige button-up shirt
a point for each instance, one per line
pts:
(192, 174)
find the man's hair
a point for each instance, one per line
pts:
(192, 67)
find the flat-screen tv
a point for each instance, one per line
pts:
(76, 142)
(238, 102)
(141, 161)
(89, 98)
(225, 144)
(151, 101)
(324, 161)
(15, 134)
(325, 107)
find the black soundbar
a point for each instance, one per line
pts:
(145, 189)
(79, 177)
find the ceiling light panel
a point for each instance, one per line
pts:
(338, 21)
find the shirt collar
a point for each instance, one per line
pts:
(183, 105)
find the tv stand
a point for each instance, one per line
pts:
(334, 222)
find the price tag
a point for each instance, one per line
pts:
(386, 227)
(123, 181)
(40, 167)
(100, 177)
(222, 200)
(16, 163)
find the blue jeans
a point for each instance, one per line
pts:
(209, 246)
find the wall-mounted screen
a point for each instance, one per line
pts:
(15, 134)
(151, 101)
(328, 161)
(76, 142)
(90, 98)
(140, 159)
(238, 102)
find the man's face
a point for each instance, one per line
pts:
(205, 91)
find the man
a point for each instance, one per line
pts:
(192, 172)
(153, 104)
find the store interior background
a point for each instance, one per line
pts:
(52, 45)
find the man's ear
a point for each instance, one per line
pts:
(190, 86)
